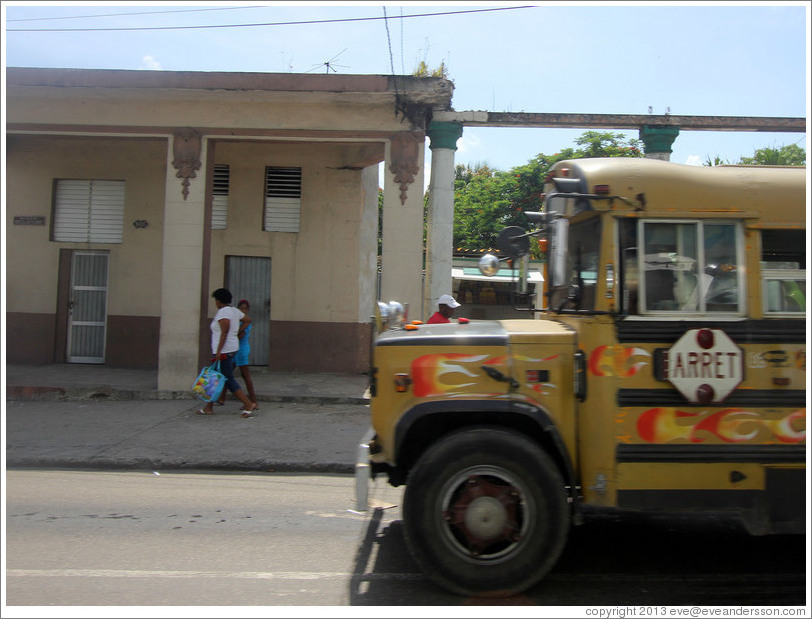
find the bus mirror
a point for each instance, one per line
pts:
(567, 185)
(489, 265)
(513, 242)
(389, 315)
(558, 260)
(567, 189)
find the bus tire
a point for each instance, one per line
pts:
(485, 512)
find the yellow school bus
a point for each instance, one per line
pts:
(662, 370)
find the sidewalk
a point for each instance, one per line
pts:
(73, 381)
(96, 417)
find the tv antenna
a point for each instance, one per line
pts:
(328, 65)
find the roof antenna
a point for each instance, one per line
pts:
(289, 68)
(328, 65)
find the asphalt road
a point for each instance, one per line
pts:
(237, 540)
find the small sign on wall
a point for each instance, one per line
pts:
(29, 220)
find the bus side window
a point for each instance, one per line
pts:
(783, 271)
(691, 267)
(721, 264)
(670, 265)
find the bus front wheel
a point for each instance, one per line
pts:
(485, 512)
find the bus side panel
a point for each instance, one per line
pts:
(769, 499)
(643, 445)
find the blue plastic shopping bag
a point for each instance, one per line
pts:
(210, 383)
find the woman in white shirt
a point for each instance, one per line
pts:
(224, 345)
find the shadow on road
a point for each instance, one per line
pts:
(385, 575)
(612, 559)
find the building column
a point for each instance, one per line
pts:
(440, 217)
(402, 236)
(658, 141)
(182, 262)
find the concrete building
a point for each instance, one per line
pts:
(132, 195)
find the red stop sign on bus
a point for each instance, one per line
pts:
(705, 365)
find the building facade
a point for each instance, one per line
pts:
(132, 195)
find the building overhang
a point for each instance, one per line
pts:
(432, 92)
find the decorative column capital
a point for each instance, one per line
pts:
(186, 152)
(658, 139)
(404, 151)
(444, 134)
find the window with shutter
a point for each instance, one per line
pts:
(283, 199)
(219, 207)
(89, 211)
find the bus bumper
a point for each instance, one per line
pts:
(362, 472)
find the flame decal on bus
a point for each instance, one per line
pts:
(444, 374)
(731, 425)
(614, 361)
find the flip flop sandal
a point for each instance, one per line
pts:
(200, 411)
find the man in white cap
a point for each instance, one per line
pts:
(446, 306)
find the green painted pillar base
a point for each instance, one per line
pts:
(658, 140)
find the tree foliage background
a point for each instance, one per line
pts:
(486, 200)
(791, 155)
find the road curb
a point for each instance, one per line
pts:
(152, 466)
(47, 394)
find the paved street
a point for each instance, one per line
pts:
(137, 521)
(207, 541)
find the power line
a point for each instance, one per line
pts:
(290, 23)
(230, 8)
(389, 40)
(402, 64)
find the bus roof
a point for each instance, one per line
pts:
(775, 194)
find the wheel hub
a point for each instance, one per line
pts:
(485, 514)
(485, 517)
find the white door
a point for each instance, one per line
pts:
(87, 315)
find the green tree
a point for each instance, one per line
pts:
(792, 155)
(486, 200)
(478, 207)
(717, 160)
(607, 144)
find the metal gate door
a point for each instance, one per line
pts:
(249, 277)
(87, 308)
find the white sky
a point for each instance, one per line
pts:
(727, 59)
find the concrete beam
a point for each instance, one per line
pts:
(768, 124)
